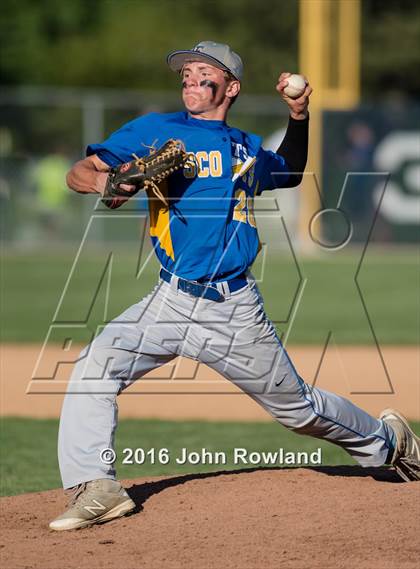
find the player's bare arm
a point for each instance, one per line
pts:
(88, 176)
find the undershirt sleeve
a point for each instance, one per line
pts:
(294, 149)
(284, 168)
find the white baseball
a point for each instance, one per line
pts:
(296, 86)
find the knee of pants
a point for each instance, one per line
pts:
(95, 373)
(292, 406)
(298, 420)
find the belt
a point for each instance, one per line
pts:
(206, 290)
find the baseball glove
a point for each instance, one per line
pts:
(144, 173)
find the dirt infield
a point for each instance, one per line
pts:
(331, 517)
(186, 390)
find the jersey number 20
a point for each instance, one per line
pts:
(244, 209)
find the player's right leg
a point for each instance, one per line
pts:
(128, 347)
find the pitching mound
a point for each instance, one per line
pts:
(341, 517)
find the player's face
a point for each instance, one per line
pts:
(204, 87)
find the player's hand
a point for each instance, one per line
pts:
(101, 181)
(127, 188)
(298, 108)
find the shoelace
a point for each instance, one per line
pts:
(408, 461)
(74, 493)
(156, 191)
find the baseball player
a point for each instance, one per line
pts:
(205, 305)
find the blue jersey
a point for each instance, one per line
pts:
(209, 230)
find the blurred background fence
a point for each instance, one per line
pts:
(44, 130)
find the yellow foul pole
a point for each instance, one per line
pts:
(329, 56)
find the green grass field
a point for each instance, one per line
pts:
(29, 456)
(100, 288)
(103, 285)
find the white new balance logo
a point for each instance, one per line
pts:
(93, 509)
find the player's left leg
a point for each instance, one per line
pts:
(240, 342)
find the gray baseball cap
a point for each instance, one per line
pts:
(218, 54)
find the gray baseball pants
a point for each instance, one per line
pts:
(235, 338)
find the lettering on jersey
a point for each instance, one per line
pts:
(249, 176)
(204, 164)
(239, 156)
(239, 151)
(241, 160)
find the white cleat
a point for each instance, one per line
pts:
(92, 503)
(406, 458)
